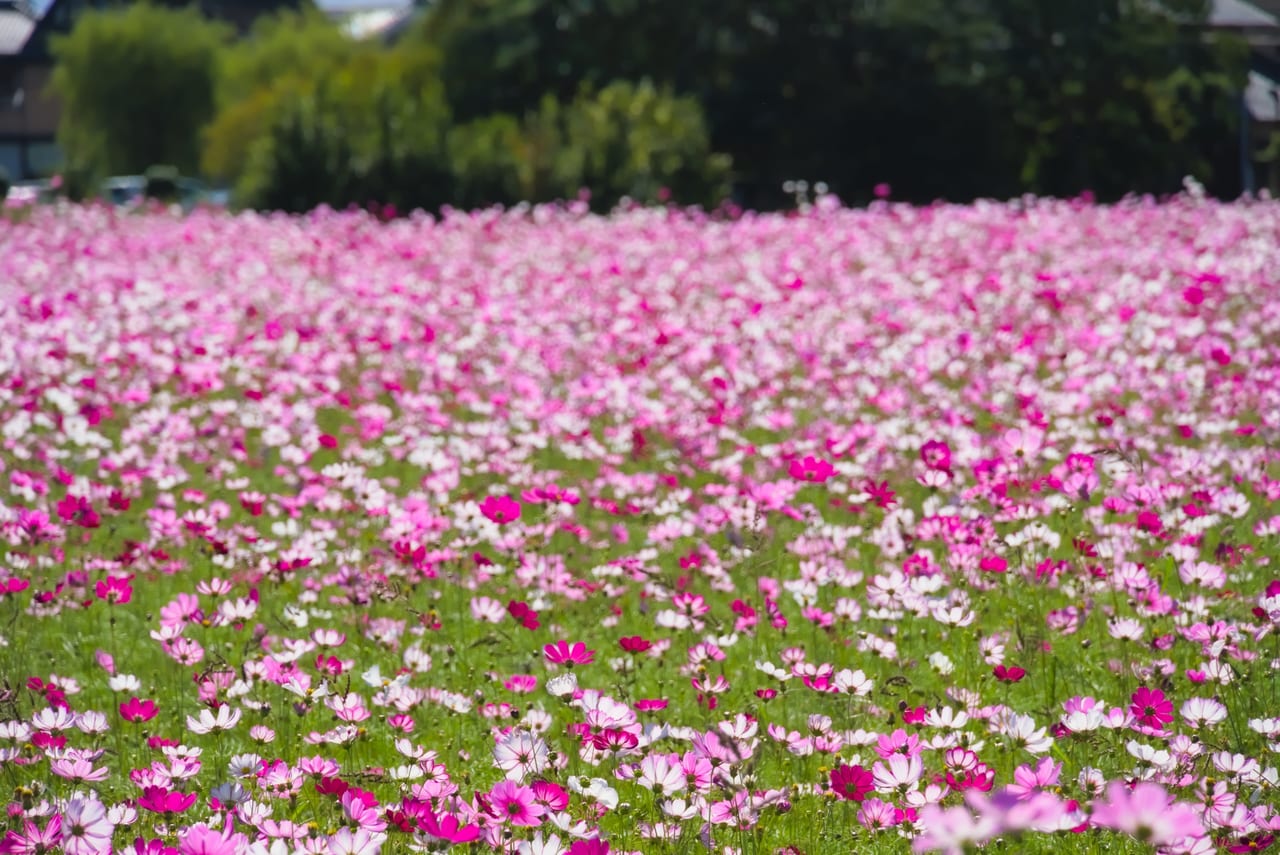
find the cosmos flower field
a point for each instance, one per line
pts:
(885, 530)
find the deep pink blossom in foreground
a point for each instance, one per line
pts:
(1147, 812)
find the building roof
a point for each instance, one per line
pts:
(1240, 14)
(350, 7)
(15, 29)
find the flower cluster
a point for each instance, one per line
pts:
(543, 533)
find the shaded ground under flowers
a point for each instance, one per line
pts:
(539, 532)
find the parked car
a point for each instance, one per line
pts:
(30, 193)
(124, 190)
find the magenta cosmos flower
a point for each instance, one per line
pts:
(137, 710)
(1008, 674)
(812, 469)
(1150, 707)
(595, 846)
(447, 827)
(851, 782)
(500, 509)
(161, 800)
(564, 653)
(516, 803)
(936, 455)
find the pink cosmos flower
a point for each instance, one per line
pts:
(898, 742)
(525, 615)
(520, 683)
(516, 804)
(361, 808)
(33, 839)
(13, 586)
(115, 590)
(500, 509)
(78, 770)
(200, 839)
(1028, 780)
(563, 653)
(953, 830)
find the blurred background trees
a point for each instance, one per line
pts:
(497, 101)
(137, 86)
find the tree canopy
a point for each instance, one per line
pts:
(137, 84)
(489, 101)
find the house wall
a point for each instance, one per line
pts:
(29, 122)
(38, 113)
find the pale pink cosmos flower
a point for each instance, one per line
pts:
(953, 830)
(898, 772)
(1147, 813)
(521, 755)
(660, 773)
(200, 839)
(1028, 780)
(85, 828)
(360, 841)
(1202, 712)
(78, 770)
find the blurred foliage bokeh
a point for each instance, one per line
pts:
(498, 101)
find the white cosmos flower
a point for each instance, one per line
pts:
(126, 683)
(595, 788)
(304, 690)
(225, 719)
(539, 845)
(853, 682)
(679, 809)
(773, 671)
(295, 616)
(562, 685)
(374, 677)
(405, 773)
